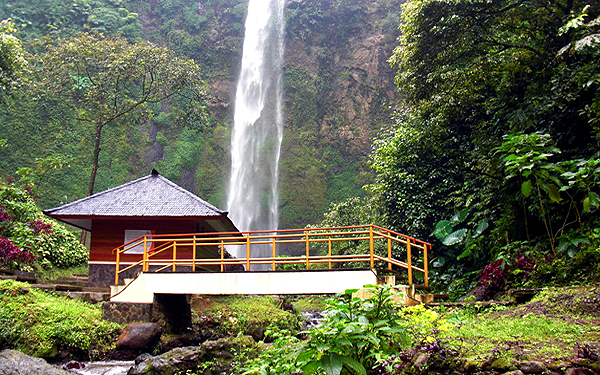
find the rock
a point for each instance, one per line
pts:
(515, 372)
(219, 353)
(141, 358)
(579, 371)
(73, 365)
(503, 365)
(532, 367)
(139, 336)
(420, 359)
(13, 362)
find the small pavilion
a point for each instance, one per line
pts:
(150, 205)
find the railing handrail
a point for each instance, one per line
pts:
(371, 233)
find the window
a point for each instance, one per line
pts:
(132, 234)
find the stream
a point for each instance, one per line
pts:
(104, 368)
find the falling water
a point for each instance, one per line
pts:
(258, 123)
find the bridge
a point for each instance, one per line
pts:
(332, 260)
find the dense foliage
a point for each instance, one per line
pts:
(28, 239)
(501, 122)
(12, 58)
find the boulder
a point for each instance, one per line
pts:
(532, 367)
(13, 362)
(212, 357)
(139, 337)
(579, 371)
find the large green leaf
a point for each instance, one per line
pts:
(332, 364)
(455, 237)
(554, 193)
(459, 217)
(442, 229)
(354, 365)
(481, 227)
(526, 188)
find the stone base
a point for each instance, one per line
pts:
(171, 311)
(126, 312)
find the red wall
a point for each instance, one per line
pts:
(109, 234)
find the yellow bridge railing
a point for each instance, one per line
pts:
(208, 251)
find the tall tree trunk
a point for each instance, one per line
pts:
(95, 167)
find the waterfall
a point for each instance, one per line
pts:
(258, 124)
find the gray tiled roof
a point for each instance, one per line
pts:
(152, 195)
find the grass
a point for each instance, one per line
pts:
(550, 326)
(45, 325)
(58, 273)
(247, 315)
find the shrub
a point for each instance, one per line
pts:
(23, 223)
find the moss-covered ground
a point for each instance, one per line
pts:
(46, 325)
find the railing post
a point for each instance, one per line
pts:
(248, 251)
(145, 266)
(329, 252)
(371, 247)
(222, 255)
(389, 247)
(274, 254)
(117, 267)
(307, 251)
(425, 265)
(194, 255)
(174, 255)
(409, 261)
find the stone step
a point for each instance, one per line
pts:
(4, 271)
(68, 287)
(19, 276)
(92, 289)
(78, 281)
(46, 287)
(85, 296)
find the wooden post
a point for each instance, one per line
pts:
(174, 255)
(194, 255)
(371, 247)
(389, 253)
(117, 267)
(426, 265)
(307, 252)
(145, 266)
(329, 252)
(222, 255)
(248, 251)
(274, 254)
(409, 261)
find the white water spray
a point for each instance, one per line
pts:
(258, 124)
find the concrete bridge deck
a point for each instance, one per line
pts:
(143, 288)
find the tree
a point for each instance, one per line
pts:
(474, 74)
(108, 79)
(12, 59)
